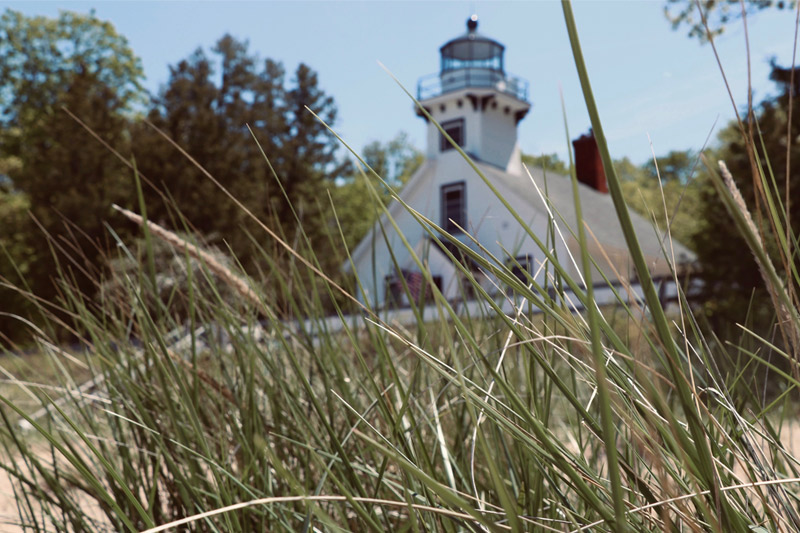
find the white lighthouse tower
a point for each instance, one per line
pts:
(475, 101)
(411, 249)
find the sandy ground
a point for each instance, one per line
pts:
(9, 514)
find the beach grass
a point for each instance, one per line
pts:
(561, 415)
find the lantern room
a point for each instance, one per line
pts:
(475, 101)
(471, 59)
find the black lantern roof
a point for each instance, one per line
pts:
(472, 50)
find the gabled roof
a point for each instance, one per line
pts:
(599, 215)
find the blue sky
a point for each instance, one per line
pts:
(648, 79)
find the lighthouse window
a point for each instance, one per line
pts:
(455, 129)
(522, 267)
(454, 206)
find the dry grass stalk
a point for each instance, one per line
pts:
(737, 197)
(784, 315)
(217, 268)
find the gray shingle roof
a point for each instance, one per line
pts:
(599, 212)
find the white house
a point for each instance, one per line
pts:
(480, 105)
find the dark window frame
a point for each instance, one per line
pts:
(521, 267)
(455, 128)
(453, 224)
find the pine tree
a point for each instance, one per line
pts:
(206, 108)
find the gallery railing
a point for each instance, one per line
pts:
(448, 81)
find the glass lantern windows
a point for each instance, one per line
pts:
(471, 52)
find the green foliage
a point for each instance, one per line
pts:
(179, 279)
(731, 275)
(673, 200)
(17, 258)
(395, 161)
(68, 180)
(71, 181)
(40, 58)
(250, 128)
(629, 171)
(679, 166)
(549, 162)
(356, 208)
(206, 108)
(718, 13)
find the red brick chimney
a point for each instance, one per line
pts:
(588, 165)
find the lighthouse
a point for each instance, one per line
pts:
(475, 101)
(414, 251)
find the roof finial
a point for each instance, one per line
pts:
(472, 23)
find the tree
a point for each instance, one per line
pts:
(16, 260)
(59, 171)
(728, 268)
(206, 107)
(673, 199)
(199, 116)
(677, 165)
(549, 162)
(39, 57)
(395, 162)
(718, 13)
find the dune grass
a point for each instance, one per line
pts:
(231, 418)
